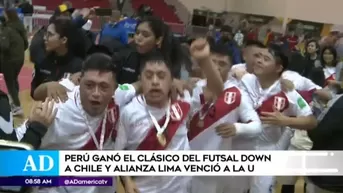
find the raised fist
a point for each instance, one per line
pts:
(200, 49)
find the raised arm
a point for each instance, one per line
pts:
(200, 50)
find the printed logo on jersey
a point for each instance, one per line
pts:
(123, 87)
(230, 97)
(301, 103)
(176, 112)
(112, 114)
(279, 103)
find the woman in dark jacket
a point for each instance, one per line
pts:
(61, 41)
(13, 58)
(151, 34)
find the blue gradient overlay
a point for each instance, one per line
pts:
(56, 181)
(12, 163)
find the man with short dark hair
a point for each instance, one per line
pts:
(281, 110)
(88, 118)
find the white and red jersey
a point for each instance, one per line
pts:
(329, 73)
(303, 85)
(269, 100)
(231, 106)
(73, 129)
(136, 131)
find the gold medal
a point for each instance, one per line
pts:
(201, 123)
(161, 139)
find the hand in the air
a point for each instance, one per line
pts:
(56, 91)
(273, 118)
(43, 113)
(200, 49)
(226, 130)
(75, 78)
(286, 85)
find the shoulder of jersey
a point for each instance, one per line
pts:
(249, 77)
(288, 74)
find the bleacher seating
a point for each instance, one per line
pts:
(161, 9)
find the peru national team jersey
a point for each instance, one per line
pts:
(74, 129)
(230, 107)
(271, 99)
(137, 131)
(329, 73)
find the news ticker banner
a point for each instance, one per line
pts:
(56, 181)
(170, 163)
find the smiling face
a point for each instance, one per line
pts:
(265, 64)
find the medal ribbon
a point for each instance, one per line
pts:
(99, 145)
(206, 108)
(159, 129)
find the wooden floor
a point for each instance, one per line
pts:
(26, 104)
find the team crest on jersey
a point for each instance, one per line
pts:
(279, 103)
(176, 112)
(230, 97)
(112, 114)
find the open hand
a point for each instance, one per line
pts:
(43, 113)
(56, 92)
(273, 118)
(226, 130)
(75, 78)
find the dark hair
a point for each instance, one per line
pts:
(226, 28)
(220, 49)
(98, 61)
(99, 49)
(66, 28)
(170, 46)
(12, 15)
(312, 41)
(155, 56)
(144, 11)
(254, 43)
(334, 53)
(279, 56)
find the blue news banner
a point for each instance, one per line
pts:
(40, 168)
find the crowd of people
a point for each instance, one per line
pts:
(145, 89)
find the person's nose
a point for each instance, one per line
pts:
(96, 92)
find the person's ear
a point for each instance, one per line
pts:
(159, 42)
(64, 40)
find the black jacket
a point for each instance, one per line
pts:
(54, 68)
(34, 133)
(328, 136)
(127, 63)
